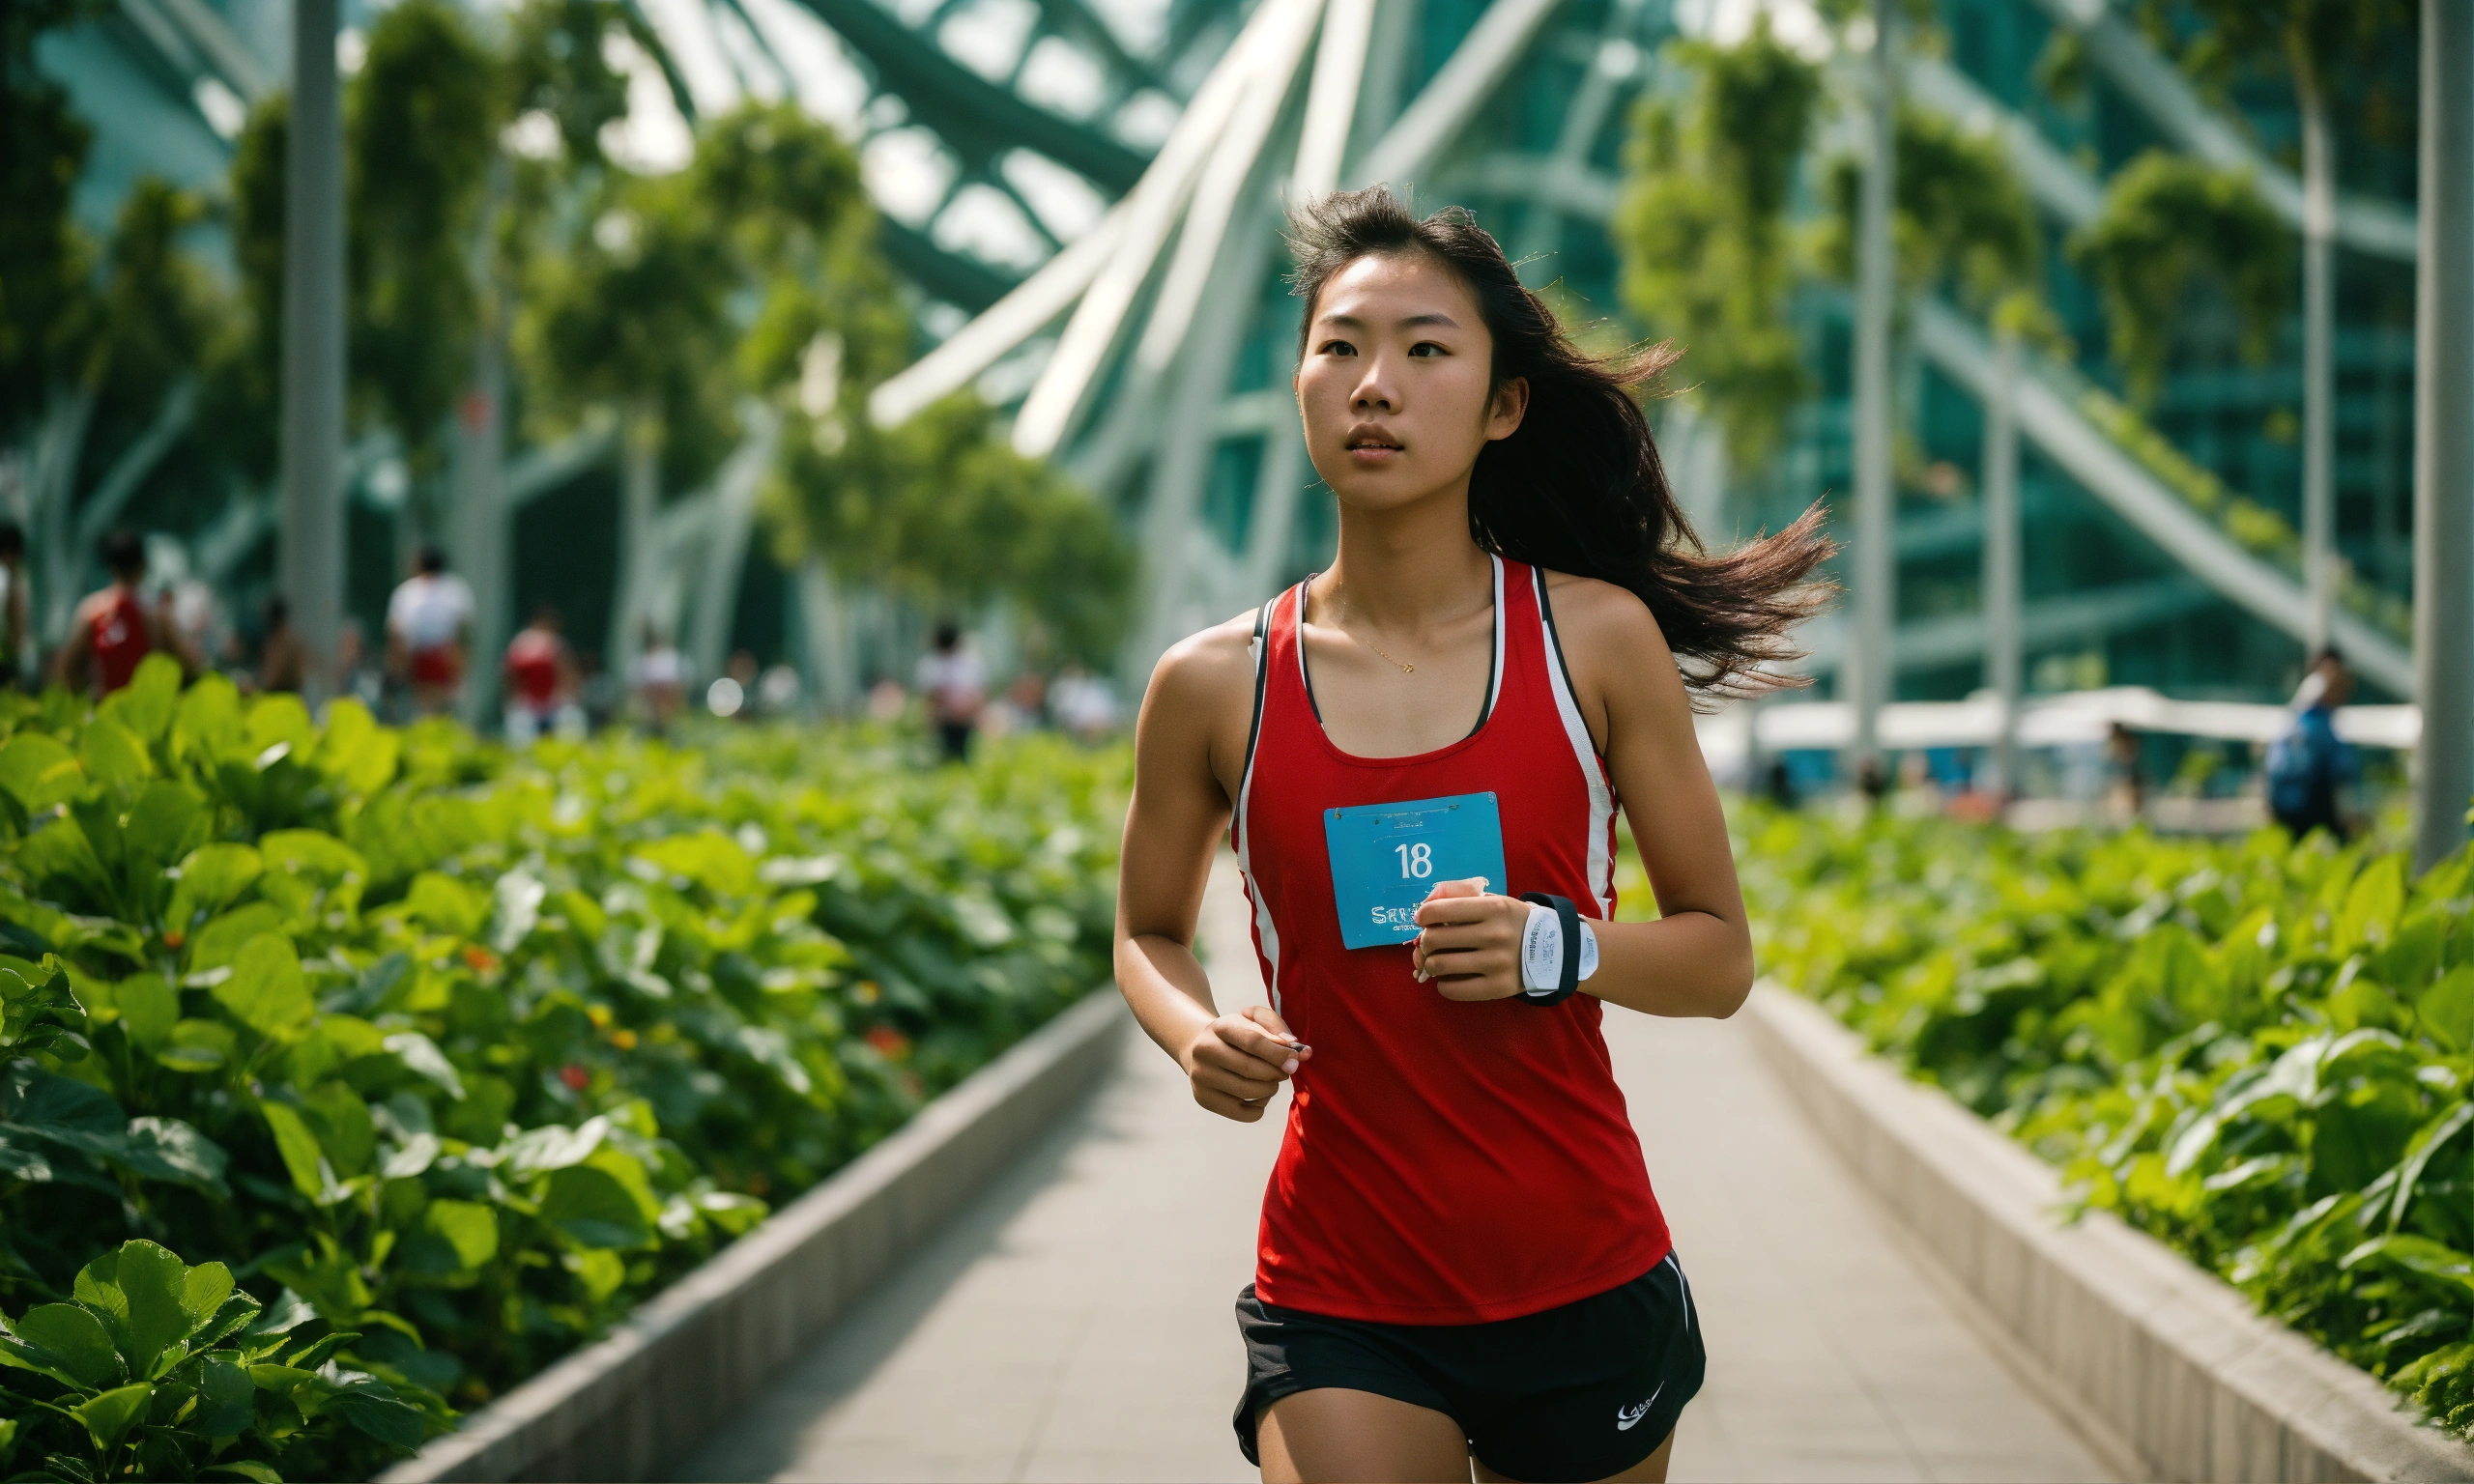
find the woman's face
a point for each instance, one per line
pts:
(1396, 387)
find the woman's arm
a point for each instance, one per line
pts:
(1180, 808)
(1696, 959)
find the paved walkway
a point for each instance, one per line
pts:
(1074, 1323)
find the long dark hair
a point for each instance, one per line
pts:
(1579, 488)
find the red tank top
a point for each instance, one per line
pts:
(1443, 1162)
(118, 631)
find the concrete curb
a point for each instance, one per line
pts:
(633, 1405)
(2167, 1357)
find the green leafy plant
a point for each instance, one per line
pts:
(943, 510)
(1962, 222)
(172, 1372)
(1708, 262)
(461, 1053)
(2171, 224)
(2258, 1051)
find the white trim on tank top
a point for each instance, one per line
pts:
(1266, 931)
(1601, 798)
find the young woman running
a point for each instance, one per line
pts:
(1459, 1256)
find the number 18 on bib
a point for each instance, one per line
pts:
(1386, 857)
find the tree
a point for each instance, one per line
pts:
(2318, 42)
(648, 309)
(943, 510)
(46, 306)
(1707, 259)
(2172, 225)
(1962, 220)
(420, 125)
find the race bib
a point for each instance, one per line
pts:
(1386, 857)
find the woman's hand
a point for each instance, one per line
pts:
(1469, 945)
(1237, 1062)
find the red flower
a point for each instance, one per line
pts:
(480, 960)
(575, 1076)
(890, 1044)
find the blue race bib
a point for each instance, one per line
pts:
(1386, 857)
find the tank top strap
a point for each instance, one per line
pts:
(1273, 648)
(1520, 650)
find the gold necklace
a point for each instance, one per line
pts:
(1406, 669)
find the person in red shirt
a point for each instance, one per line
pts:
(1417, 756)
(541, 677)
(113, 629)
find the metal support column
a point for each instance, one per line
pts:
(2318, 353)
(1875, 558)
(2444, 434)
(2002, 659)
(312, 542)
(483, 525)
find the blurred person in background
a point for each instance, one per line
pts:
(777, 690)
(361, 679)
(112, 629)
(195, 611)
(14, 626)
(428, 620)
(659, 680)
(1028, 694)
(956, 684)
(281, 659)
(742, 671)
(2308, 763)
(1083, 703)
(886, 699)
(2127, 797)
(541, 677)
(14, 607)
(600, 693)
(1779, 784)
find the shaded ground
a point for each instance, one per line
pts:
(1074, 1323)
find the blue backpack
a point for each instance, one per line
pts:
(2301, 763)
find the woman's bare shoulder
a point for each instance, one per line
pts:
(1215, 665)
(1595, 616)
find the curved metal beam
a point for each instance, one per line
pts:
(1152, 211)
(965, 282)
(971, 113)
(2105, 470)
(1444, 107)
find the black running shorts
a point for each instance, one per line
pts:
(1577, 1393)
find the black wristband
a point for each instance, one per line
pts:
(1568, 978)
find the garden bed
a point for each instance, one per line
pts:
(451, 1057)
(2255, 1052)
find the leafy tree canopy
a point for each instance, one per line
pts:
(1705, 258)
(646, 306)
(47, 308)
(2233, 36)
(944, 510)
(420, 126)
(1962, 222)
(2172, 225)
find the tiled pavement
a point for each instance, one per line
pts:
(1074, 1323)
